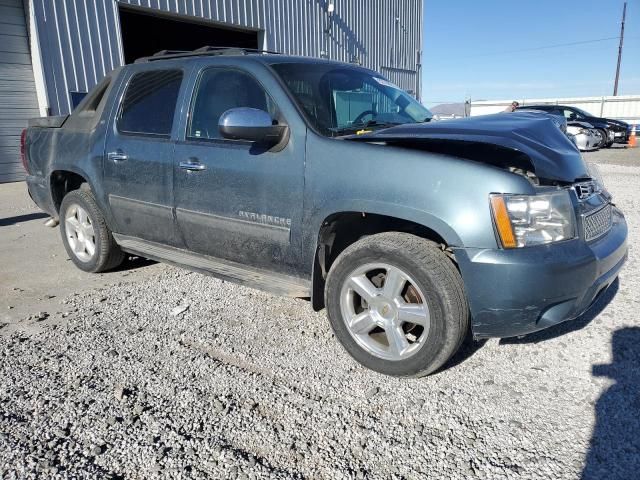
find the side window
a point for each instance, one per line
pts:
(149, 102)
(570, 115)
(219, 90)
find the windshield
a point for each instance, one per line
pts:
(341, 100)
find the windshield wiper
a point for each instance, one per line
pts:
(375, 123)
(364, 126)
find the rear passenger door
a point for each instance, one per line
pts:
(138, 159)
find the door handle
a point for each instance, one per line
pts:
(192, 165)
(117, 156)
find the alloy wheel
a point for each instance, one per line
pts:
(385, 311)
(80, 233)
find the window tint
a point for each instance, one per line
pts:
(220, 90)
(149, 103)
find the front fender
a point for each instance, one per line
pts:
(375, 207)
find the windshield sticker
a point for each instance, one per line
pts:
(385, 83)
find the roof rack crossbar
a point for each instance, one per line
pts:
(202, 51)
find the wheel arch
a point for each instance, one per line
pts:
(63, 181)
(340, 229)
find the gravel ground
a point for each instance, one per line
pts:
(184, 376)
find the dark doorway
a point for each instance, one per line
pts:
(144, 34)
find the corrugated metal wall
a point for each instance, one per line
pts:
(81, 38)
(17, 88)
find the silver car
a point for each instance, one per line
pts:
(585, 137)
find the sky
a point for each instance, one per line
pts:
(491, 49)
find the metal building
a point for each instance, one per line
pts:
(63, 47)
(17, 87)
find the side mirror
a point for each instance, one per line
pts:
(250, 124)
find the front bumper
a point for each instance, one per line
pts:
(621, 136)
(520, 291)
(586, 142)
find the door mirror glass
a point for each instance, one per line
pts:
(250, 124)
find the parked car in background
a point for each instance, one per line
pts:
(585, 136)
(615, 131)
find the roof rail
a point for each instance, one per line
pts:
(169, 52)
(203, 51)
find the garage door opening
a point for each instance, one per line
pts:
(144, 34)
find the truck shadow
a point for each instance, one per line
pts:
(614, 450)
(572, 325)
(133, 263)
(468, 348)
(4, 222)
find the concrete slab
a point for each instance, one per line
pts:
(35, 272)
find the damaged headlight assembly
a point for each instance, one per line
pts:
(528, 220)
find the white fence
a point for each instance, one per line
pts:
(623, 107)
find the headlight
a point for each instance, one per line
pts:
(526, 220)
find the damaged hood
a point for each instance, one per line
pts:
(528, 141)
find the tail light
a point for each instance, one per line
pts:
(23, 150)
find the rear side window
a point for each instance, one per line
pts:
(149, 103)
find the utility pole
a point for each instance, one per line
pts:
(615, 85)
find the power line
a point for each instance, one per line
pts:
(545, 47)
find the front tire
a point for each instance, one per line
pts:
(397, 304)
(85, 235)
(605, 139)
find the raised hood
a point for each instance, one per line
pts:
(526, 141)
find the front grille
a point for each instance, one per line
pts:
(597, 223)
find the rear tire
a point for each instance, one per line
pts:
(397, 304)
(85, 235)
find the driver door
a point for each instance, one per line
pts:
(236, 200)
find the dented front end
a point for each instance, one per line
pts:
(530, 282)
(526, 143)
(526, 288)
